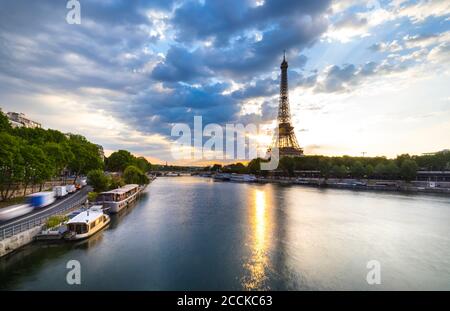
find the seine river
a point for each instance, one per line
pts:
(191, 233)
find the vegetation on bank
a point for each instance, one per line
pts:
(55, 220)
(33, 156)
(30, 157)
(102, 181)
(127, 169)
(402, 167)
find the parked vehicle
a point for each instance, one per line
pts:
(80, 183)
(60, 191)
(41, 199)
(71, 188)
(14, 211)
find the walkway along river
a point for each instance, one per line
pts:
(191, 233)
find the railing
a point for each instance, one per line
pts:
(39, 221)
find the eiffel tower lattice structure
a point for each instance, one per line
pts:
(284, 138)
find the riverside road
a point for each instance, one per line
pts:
(58, 206)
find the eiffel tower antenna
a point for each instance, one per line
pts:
(285, 141)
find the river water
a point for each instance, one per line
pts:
(191, 233)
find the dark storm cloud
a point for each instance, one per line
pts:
(267, 87)
(233, 28)
(112, 50)
(222, 19)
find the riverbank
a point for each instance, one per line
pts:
(364, 184)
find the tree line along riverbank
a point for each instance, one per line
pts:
(34, 159)
(404, 167)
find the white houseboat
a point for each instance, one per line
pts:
(118, 199)
(87, 223)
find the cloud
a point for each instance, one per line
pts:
(145, 65)
(335, 79)
(393, 46)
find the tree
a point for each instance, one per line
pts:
(143, 164)
(85, 156)
(11, 164)
(408, 170)
(116, 182)
(391, 170)
(119, 160)
(369, 171)
(357, 170)
(325, 167)
(59, 155)
(287, 164)
(339, 171)
(98, 180)
(216, 167)
(4, 123)
(380, 170)
(133, 175)
(254, 166)
(36, 168)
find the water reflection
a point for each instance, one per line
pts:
(259, 240)
(193, 234)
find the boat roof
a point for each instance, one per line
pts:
(87, 216)
(123, 189)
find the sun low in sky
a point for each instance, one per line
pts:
(364, 76)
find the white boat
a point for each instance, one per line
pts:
(87, 223)
(242, 178)
(170, 174)
(118, 199)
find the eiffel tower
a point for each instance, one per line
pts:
(285, 139)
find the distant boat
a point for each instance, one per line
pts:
(87, 223)
(242, 178)
(171, 174)
(222, 177)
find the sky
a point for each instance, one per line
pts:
(364, 76)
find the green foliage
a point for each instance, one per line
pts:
(11, 164)
(339, 171)
(357, 169)
(404, 166)
(119, 160)
(235, 168)
(287, 164)
(98, 180)
(31, 156)
(92, 196)
(408, 170)
(55, 220)
(216, 167)
(133, 175)
(4, 123)
(142, 164)
(85, 156)
(116, 182)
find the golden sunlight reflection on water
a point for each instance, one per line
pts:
(259, 239)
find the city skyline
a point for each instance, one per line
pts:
(363, 77)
